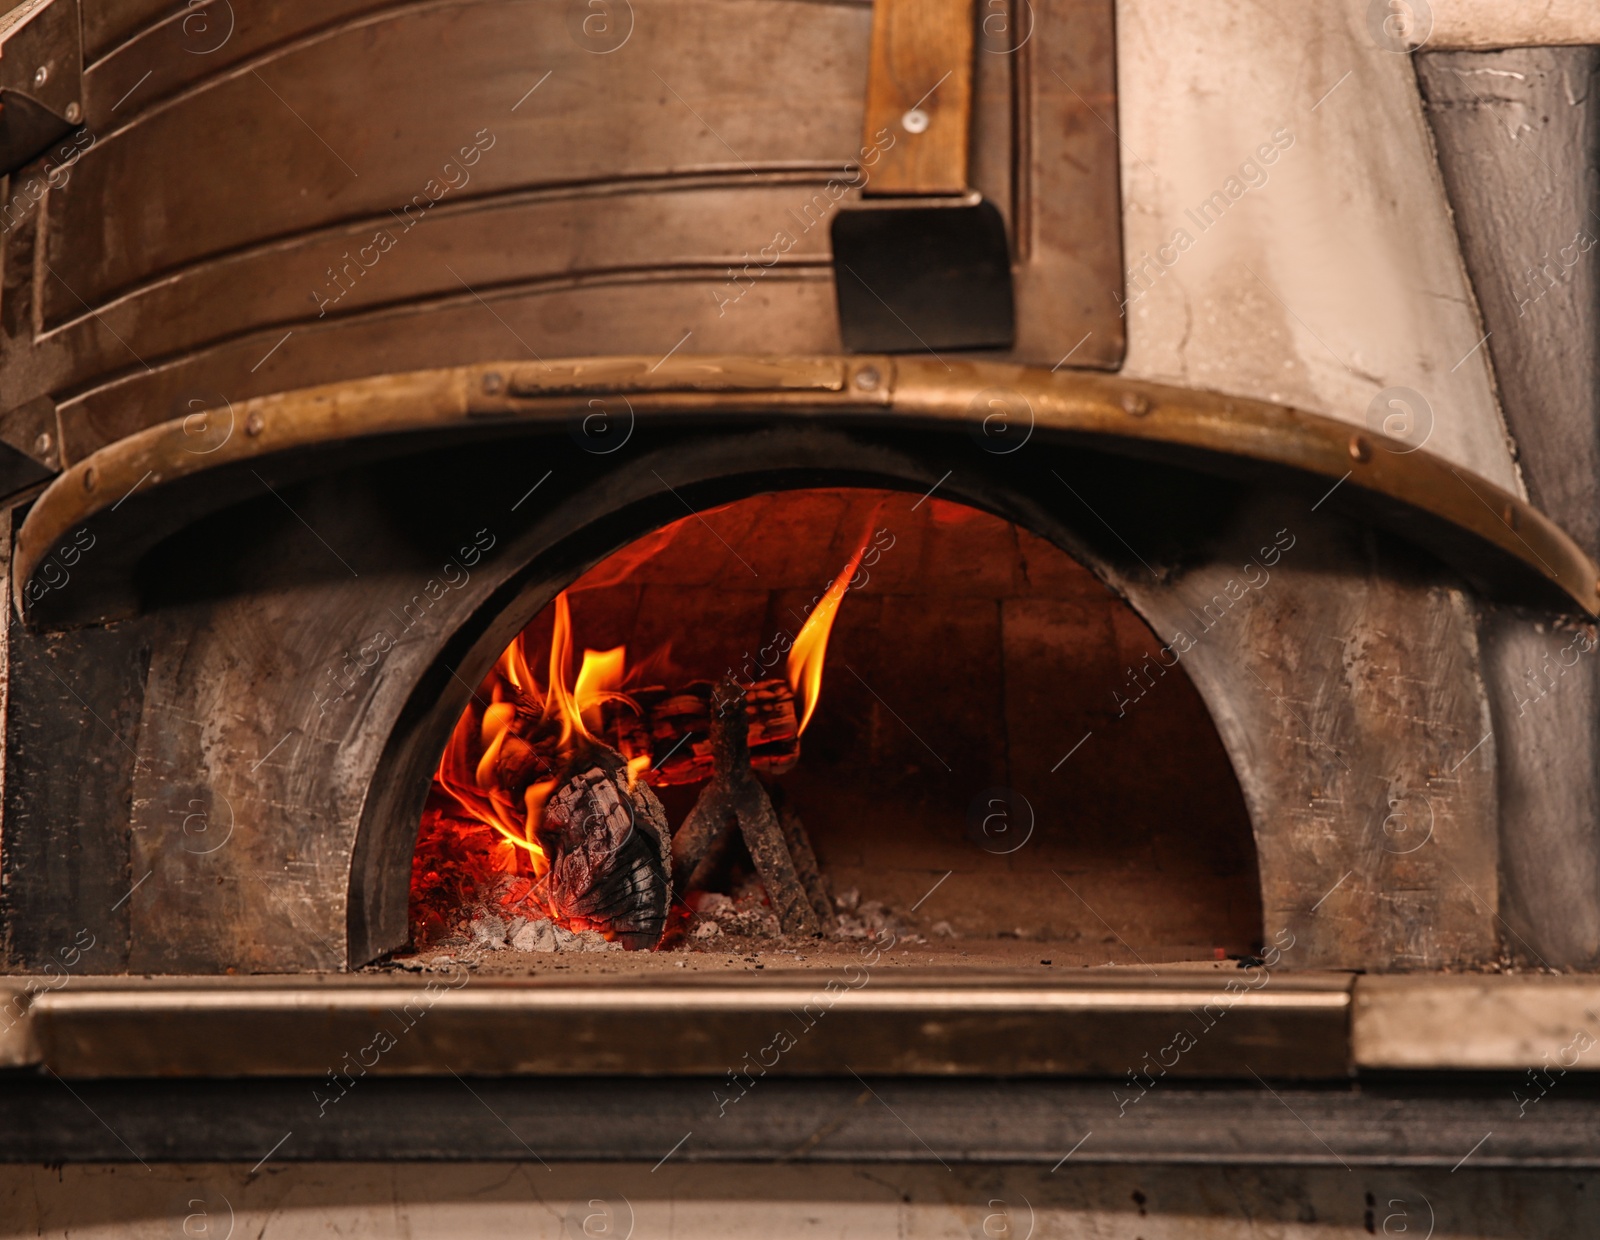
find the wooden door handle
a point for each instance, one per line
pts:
(919, 94)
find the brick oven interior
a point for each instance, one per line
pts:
(969, 659)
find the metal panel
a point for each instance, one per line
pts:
(293, 142)
(821, 1120)
(617, 197)
(1067, 214)
(1551, 1024)
(1518, 134)
(817, 1023)
(70, 758)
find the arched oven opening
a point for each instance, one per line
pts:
(807, 716)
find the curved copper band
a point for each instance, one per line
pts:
(1105, 407)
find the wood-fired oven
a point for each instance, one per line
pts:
(526, 565)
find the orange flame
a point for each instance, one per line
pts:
(811, 643)
(501, 737)
(559, 700)
(472, 785)
(475, 784)
(599, 680)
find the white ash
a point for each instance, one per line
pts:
(534, 936)
(492, 926)
(539, 935)
(488, 932)
(745, 914)
(866, 919)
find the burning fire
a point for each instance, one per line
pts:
(523, 735)
(811, 643)
(520, 708)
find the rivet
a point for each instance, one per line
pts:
(868, 378)
(254, 423)
(41, 75)
(1360, 450)
(43, 444)
(1510, 516)
(1135, 405)
(88, 479)
(74, 113)
(914, 121)
(493, 382)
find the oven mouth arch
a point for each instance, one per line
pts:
(132, 494)
(706, 467)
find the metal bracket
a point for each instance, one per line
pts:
(41, 78)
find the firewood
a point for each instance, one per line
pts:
(606, 875)
(680, 734)
(609, 852)
(674, 727)
(805, 860)
(735, 793)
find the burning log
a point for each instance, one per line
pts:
(673, 727)
(735, 794)
(578, 815)
(609, 852)
(667, 732)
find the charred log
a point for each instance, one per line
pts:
(736, 795)
(673, 726)
(609, 852)
(805, 859)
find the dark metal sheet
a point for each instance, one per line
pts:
(915, 279)
(845, 1119)
(73, 708)
(804, 1024)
